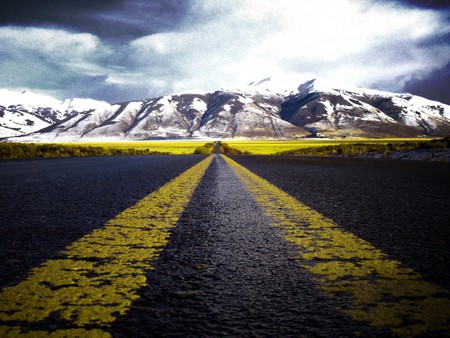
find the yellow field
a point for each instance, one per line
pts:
(348, 147)
(171, 146)
(269, 147)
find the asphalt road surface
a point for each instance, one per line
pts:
(356, 248)
(47, 204)
(401, 207)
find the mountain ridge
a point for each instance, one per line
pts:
(254, 112)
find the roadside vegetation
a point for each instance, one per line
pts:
(43, 150)
(343, 147)
(270, 147)
(306, 147)
(207, 148)
(224, 148)
(174, 147)
(33, 150)
(370, 147)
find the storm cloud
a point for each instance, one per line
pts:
(131, 49)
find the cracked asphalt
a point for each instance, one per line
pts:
(401, 207)
(226, 271)
(48, 204)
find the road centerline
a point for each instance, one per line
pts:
(227, 272)
(380, 291)
(95, 279)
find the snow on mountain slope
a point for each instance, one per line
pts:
(362, 112)
(81, 105)
(257, 111)
(431, 117)
(26, 99)
(16, 123)
(25, 112)
(76, 126)
(170, 116)
(216, 115)
(120, 119)
(427, 116)
(240, 114)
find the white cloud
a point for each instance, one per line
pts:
(230, 43)
(54, 46)
(48, 59)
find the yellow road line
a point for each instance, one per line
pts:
(96, 278)
(380, 290)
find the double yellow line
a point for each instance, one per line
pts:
(379, 290)
(95, 280)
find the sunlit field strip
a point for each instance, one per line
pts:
(95, 279)
(269, 147)
(380, 290)
(174, 147)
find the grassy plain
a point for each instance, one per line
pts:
(316, 147)
(173, 147)
(37, 150)
(270, 147)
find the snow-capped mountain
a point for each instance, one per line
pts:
(364, 112)
(221, 114)
(254, 112)
(25, 112)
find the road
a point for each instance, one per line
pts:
(48, 204)
(251, 246)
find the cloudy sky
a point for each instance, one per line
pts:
(118, 50)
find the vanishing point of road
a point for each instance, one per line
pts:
(224, 246)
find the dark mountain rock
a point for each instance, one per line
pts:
(310, 111)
